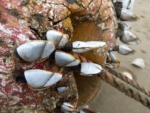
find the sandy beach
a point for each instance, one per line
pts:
(109, 99)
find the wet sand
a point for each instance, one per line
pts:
(109, 99)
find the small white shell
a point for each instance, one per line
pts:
(130, 38)
(59, 38)
(62, 89)
(127, 15)
(38, 78)
(125, 50)
(139, 62)
(88, 68)
(36, 50)
(65, 59)
(80, 47)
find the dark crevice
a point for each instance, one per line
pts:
(54, 23)
(99, 8)
(3, 21)
(35, 32)
(67, 48)
(19, 76)
(70, 1)
(91, 2)
(119, 33)
(38, 17)
(52, 19)
(76, 1)
(24, 2)
(5, 55)
(0, 14)
(76, 68)
(16, 54)
(118, 7)
(13, 12)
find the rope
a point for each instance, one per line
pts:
(126, 88)
(129, 81)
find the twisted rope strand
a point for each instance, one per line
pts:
(129, 81)
(126, 88)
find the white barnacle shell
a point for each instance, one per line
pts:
(128, 4)
(38, 78)
(66, 59)
(67, 107)
(125, 50)
(139, 62)
(36, 50)
(80, 46)
(127, 15)
(123, 25)
(59, 38)
(88, 68)
(129, 38)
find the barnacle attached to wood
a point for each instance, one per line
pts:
(38, 41)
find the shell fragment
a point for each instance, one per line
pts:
(139, 62)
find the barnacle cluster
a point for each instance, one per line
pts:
(43, 41)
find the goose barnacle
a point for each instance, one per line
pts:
(35, 50)
(89, 68)
(59, 38)
(66, 59)
(123, 26)
(123, 49)
(80, 46)
(127, 15)
(128, 4)
(37, 78)
(112, 60)
(130, 38)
